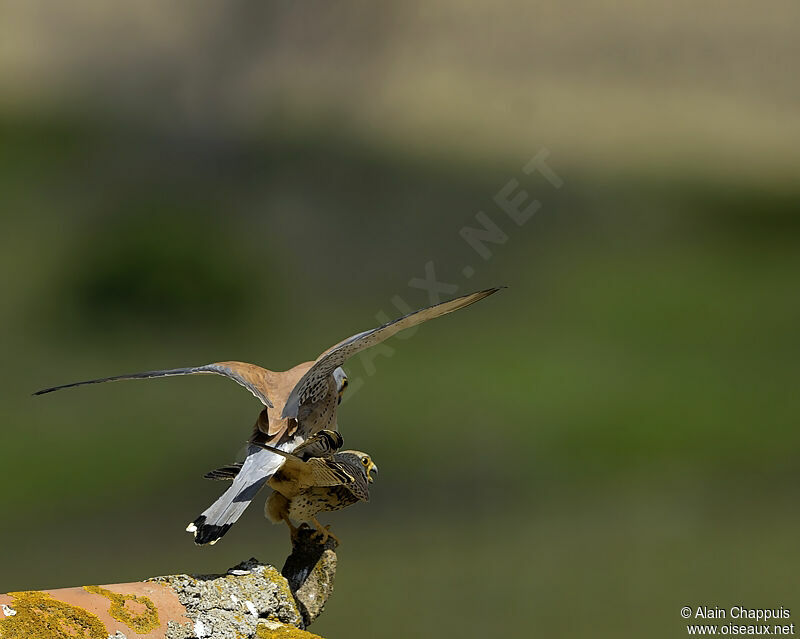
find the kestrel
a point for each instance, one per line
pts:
(314, 478)
(298, 403)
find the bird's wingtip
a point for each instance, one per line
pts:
(490, 291)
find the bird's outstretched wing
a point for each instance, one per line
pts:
(313, 386)
(252, 377)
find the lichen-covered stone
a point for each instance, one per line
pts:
(39, 615)
(310, 571)
(271, 630)
(136, 611)
(230, 606)
(251, 600)
(313, 594)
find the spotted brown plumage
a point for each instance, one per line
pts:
(314, 478)
(306, 504)
(298, 403)
(296, 496)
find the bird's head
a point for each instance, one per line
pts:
(366, 461)
(341, 382)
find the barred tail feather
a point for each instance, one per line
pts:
(218, 518)
(225, 473)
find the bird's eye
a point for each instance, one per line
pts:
(365, 461)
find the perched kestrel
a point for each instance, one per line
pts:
(316, 477)
(298, 403)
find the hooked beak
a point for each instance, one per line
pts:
(372, 468)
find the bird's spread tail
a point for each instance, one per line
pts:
(218, 518)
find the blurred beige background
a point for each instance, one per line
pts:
(613, 437)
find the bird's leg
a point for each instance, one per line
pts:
(292, 527)
(324, 532)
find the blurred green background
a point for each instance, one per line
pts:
(613, 437)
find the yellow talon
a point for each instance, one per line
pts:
(324, 532)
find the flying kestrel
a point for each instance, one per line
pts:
(316, 477)
(298, 402)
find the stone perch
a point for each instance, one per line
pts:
(252, 600)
